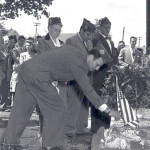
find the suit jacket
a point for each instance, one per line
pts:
(63, 64)
(110, 58)
(125, 57)
(78, 43)
(46, 44)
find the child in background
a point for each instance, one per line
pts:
(13, 82)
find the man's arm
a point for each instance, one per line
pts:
(83, 81)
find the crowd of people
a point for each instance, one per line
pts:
(61, 80)
(13, 54)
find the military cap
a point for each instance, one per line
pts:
(54, 20)
(104, 21)
(88, 26)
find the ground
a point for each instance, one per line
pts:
(31, 141)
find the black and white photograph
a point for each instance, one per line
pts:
(74, 75)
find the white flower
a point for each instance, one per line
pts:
(101, 51)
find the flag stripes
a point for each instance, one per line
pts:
(128, 114)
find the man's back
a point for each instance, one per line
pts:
(57, 62)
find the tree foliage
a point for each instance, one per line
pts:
(12, 8)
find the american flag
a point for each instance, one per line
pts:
(128, 114)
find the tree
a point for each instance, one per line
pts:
(12, 8)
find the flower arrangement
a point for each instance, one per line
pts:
(133, 82)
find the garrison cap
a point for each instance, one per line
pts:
(54, 20)
(88, 26)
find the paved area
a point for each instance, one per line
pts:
(30, 140)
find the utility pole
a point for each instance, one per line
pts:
(36, 24)
(139, 39)
(123, 33)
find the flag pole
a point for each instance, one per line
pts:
(136, 96)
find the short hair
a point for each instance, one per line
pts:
(95, 53)
(104, 21)
(38, 36)
(21, 37)
(31, 38)
(13, 37)
(133, 37)
(33, 46)
(122, 42)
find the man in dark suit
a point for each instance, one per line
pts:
(51, 41)
(130, 55)
(63, 64)
(121, 45)
(77, 116)
(103, 43)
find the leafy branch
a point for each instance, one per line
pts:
(12, 8)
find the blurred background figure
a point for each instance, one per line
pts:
(24, 56)
(31, 39)
(7, 70)
(121, 44)
(19, 48)
(129, 56)
(29, 53)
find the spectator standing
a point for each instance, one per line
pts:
(49, 43)
(24, 56)
(19, 48)
(105, 46)
(121, 44)
(129, 56)
(7, 69)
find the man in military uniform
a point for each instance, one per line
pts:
(78, 105)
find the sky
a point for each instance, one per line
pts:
(130, 14)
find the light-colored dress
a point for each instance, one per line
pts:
(13, 81)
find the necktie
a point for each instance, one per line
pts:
(106, 38)
(133, 53)
(85, 46)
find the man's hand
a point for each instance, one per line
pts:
(116, 114)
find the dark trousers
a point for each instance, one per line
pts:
(63, 95)
(99, 119)
(28, 95)
(5, 91)
(77, 113)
